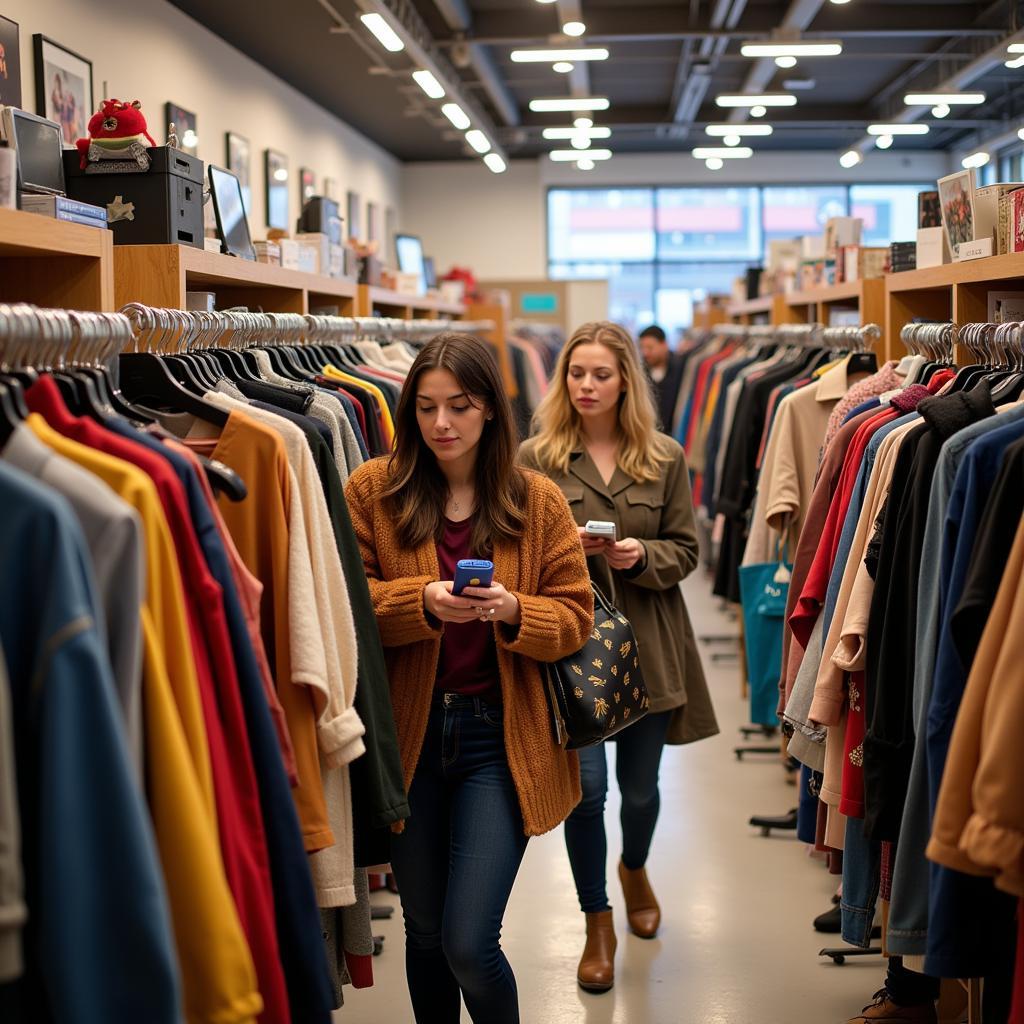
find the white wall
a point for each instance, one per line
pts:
(495, 224)
(151, 51)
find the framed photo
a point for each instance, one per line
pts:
(956, 198)
(352, 212)
(372, 222)
(275, 168)
(331, 189)
(10, 64)
(63, 87)
(184, 122)
(238, 160)
(307, 186)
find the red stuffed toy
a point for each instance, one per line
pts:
(116, 132)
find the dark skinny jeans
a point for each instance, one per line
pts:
(455, 864)
(637, 759)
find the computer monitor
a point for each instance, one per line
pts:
(37, 146)
(410, 259)
(229, 209)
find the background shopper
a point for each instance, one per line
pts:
(596, 439)
(665, 368)
(477, 748)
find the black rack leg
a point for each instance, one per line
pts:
(840, 953)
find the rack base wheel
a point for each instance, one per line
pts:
(839, 954)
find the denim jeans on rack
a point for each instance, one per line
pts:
(862, 876)
(455, 865)
(637, 757)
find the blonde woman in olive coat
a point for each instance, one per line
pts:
(596, 437)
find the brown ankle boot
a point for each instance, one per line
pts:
(596, 972)
(642, 910)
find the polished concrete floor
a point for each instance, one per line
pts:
(736, 945)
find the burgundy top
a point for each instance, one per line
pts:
(469, 656)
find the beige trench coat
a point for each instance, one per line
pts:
(660, 515)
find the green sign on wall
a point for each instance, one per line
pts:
(539, 302)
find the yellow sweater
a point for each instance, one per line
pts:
(547, 572)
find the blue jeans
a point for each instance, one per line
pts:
(636, 767)
(455, 865)
(862, 877)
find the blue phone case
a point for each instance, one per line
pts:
(472, 572)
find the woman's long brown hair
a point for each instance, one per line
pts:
(417, 490)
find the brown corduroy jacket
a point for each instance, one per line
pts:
(547, 572)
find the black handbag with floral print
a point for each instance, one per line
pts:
(598, 691)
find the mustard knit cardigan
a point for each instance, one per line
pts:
(547, 572)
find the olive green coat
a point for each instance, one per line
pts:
(660, 515)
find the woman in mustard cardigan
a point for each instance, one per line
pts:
(481, 764)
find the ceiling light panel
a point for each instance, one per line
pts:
(429, 84)
(793, 49)
(574, 28)
(723, 152)
(975, 160)
(385, 34)
(495, 163)
(721, 130)
(456, 115)
(569, 155)
(932, 99)
(478, 141)
(569, 103)
(549, 56)
(765, 99)
(572, 133)
(898, 129)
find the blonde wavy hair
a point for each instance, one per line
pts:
(643, 450)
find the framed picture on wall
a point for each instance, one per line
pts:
(307, 186)
(10, 64)
(63, 87)
(275, 172)
(331, 188)
(372, 222)
(185, 124)
(238, 160)
(352, 213)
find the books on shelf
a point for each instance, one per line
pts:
(861, 263)
(62, 208)
(929, 212)
(986, 210)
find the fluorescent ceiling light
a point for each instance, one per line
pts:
(1020, 134)
(883, 141)
(570, 103)
(1016, 63)
(478, 141)
(732, 140)
(568, 155)
(850, 158)
(932, 99)
(563, 67)
(572, 133)
(548, 56)
(456, 115)
(940, 110)
(723, 152)
(1015, 48)
(792, 49)
(428, 83)
(785, 62)
(837, 2)
(714, 163)
(722, 130)
(585, 164)
(758, 111)
(495, 163)
(978, 159)
(765, 99)
(898, 129)
(386, 35)
(584, 122)
(574, 28)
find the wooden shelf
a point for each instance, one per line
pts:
(406, 307)
(160, 275)
(751, 307)
(53, 263)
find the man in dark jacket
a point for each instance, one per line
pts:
(666, 372)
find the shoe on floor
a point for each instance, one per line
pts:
(884, 1011)
(596, 972)
(831, 922)
(642, 910)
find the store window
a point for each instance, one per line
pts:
(662, 250)
(800, 210)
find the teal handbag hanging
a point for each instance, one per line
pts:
(764, 589)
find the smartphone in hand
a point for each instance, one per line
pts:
(600, 530)
(472, 572)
